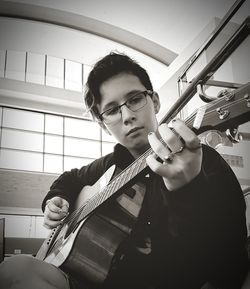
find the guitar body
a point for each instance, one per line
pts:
(89, 249)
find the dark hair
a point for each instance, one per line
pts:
(109, 66)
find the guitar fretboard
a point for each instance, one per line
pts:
(116, 184)
(210, 119)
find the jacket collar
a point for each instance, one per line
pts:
(122, 156)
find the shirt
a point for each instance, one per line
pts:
(183, 238)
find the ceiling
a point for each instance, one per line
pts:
(162, 29)
(171, 24)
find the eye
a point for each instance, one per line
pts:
(112, 111)
(136, 98)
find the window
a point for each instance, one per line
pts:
(21, 119)
(75, 162)
(15, 65)
(82, 148)
(22, 140)
(21, 160)
(73, 76)
(107, 148)
(43, 142)
(55, 72)
(53, 163)
(35, 68)
(53, 124)
(2, 62)
(86, 71)
(82, 128)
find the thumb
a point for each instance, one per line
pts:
(65, 204)
(57, 201)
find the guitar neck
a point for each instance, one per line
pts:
(122, 180)
(228, 111)
(125, 178)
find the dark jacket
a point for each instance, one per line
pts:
(198, 233)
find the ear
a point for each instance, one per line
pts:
(156, 102)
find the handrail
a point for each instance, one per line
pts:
(213, 35)
(235, 40)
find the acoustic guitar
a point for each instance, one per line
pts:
(89, 241)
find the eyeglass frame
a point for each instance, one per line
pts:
(144, 92)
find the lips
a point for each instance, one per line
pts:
(133, 130)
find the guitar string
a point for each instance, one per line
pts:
(115, 180)
(92, 200)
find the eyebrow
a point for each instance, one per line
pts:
(126, 96)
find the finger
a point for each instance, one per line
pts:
(156, 166)
(172, 139)
(157, 146)
(57, 201)
(65, 206)
(54, 216)
(52, 207)
(190, 138)
(49, 224)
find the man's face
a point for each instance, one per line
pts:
(133, 128)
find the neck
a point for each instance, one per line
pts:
(136, 153)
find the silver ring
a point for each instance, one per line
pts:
(169, 158)
(180, 149)
(199, 145)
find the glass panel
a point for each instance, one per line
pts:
(53, 164)
(2, 62)
(86, 71)
(41, 231)
(236, 68)
(1, 113)
(22, 119)
(35, 68)
(108, 137)
(82, 128)
(82, 148)
(15, 67)
(22, 140)
(73, 76)
(53, 144)
(19, 160)
(53, 124)
(55, 72)
(71, 162)
(107, 148)
(17, 226)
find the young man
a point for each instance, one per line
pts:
(191, 227)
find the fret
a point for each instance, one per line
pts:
(126, 175)
(104, 194)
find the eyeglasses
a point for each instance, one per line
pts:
(134, 103)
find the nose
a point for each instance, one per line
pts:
(127, 115)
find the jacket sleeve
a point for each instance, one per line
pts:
(69, 184)
(209, 214)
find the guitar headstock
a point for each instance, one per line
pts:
(225, 113)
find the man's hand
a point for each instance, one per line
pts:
(56, 209)
(180, 151)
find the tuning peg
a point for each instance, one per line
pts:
(223, 113)
(247, 98)
(234, 135)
